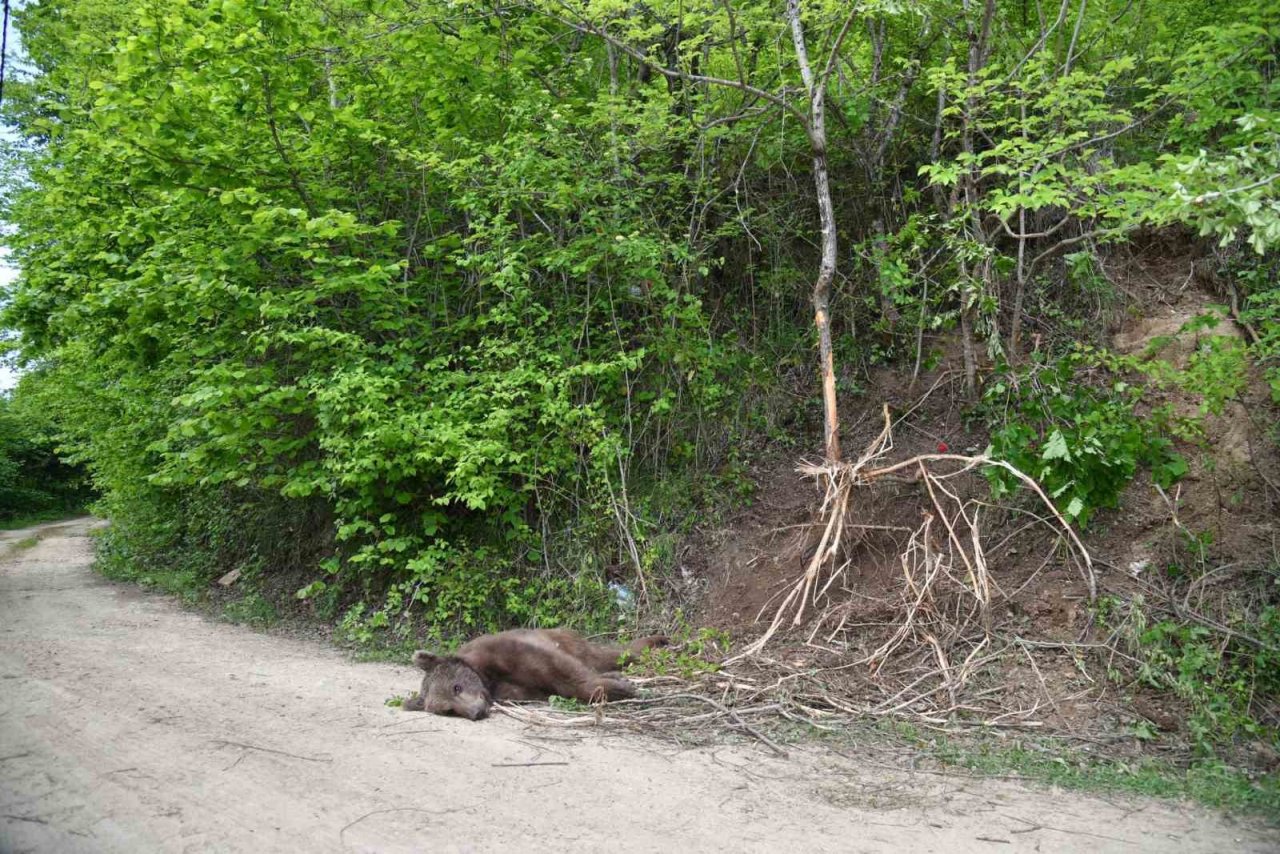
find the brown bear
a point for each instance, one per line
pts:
(523, 664)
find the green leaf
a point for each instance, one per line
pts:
(1074, 508)
(1055, 447)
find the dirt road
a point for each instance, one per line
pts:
(127, 724)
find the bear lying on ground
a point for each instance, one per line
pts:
(523, 664)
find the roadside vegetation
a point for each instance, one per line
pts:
(36, 483)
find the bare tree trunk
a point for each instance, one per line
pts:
(968, 348)
(888, 310)
(826, 213)
(1020, 286)
(1020, 289)
(978, 37)
(935, 152)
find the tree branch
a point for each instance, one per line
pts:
(1048, 232)
(1218, 194)
(834, 57)
(294, 178)
(588, 28)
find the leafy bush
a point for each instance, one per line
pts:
(387, 323)
(1216, 371)
(432, 306)
(1075, 427)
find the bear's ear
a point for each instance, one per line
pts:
(426, 660)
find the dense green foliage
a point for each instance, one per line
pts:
(34, 482)
(1082, 441)
(457, 310)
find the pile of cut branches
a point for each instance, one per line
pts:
(940, 650)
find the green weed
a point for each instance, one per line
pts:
(567, 704)
(190, 584)
(693, 651)
(252, 609)
(1083, 441)
(1227, 677)
(1207, 781)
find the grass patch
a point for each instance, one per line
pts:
(398, 653)
(567, 704)
(1207, 781)
(26, 542)
(252, 609)
(189, 585)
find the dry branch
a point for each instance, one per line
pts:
(931, 649)
(921, 563)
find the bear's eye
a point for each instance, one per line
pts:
(457, 689)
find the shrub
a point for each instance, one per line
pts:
(1077, 428)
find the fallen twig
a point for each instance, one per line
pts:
(372, 813)
(31, 818)
(244, 746)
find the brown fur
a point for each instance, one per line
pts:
(523, 664)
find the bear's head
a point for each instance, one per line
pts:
(451, 687)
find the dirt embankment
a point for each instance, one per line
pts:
(1219, 521)
(127, 724)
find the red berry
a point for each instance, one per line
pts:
(942, 447)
